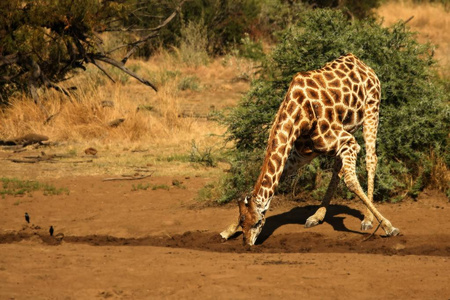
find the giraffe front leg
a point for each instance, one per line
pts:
(348, 155)
(320, 213)
(230, 231)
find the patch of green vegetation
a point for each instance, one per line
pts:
(18, 187)
(204, 156)
(164, 77)
(175, 157)
(72, 152)
(189, 83)
(209, 192)
(178, 184)
(251, 49)
(153, 187)
(197, 155)
(140, 186)
(160, 187)
(145, 107)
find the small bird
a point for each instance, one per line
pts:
(27, 218)
(51, 230)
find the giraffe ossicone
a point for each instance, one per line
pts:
(318, 116)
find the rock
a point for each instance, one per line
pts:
(90, 151)
(116, 122)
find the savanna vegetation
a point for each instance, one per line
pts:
(62, 64)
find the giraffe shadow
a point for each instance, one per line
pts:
(298, 215)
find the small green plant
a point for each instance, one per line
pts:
(251, 49)
(160, 187)
(211, 191)
(175, 157)
(144, 107)
(165, 77)
(72, 152)
(204, 157)
(178, 184)
(189, 83)
(140, 186)
(18, 187)
(193, 44)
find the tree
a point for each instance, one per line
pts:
(43, 42)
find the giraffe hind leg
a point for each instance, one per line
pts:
(370, 129)
(320, 213)
(348, 155)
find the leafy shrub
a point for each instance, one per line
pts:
(193, 44)
(355, 8)
(189, 83)
(413, 119)
(251, 49)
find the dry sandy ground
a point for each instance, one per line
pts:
(146, 244)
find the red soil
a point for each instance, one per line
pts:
(117, 243)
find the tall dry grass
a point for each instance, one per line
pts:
(430, 20)
(152, 119)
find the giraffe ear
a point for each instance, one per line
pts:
(242, 206)
(246, 200)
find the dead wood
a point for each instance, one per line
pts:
(29, 139)
(26, 161)
(116, 122)
(128, 177)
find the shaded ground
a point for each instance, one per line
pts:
(113, 242)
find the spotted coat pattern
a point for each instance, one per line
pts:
(321, 111)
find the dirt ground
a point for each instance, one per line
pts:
(114, 242)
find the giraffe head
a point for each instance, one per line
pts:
(250, 219)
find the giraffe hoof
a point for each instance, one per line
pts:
(225, 235)
(366, 225)
(394, 231)
(310, 222)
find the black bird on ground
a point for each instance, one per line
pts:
(27, 218)
(51, 230)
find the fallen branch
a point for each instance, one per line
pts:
(128, 178)
(24, 161)
(76, 161)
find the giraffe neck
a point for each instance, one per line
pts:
(281, 140)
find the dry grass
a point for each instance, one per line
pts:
(431, 21)
(162, 123)
(150, 117)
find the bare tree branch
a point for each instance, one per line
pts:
(102, 69)
(120, 66)
(136, 45)
(9, 59)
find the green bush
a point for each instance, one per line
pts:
(414, 118)
(194, 44)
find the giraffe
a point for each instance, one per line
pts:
(318, 116)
